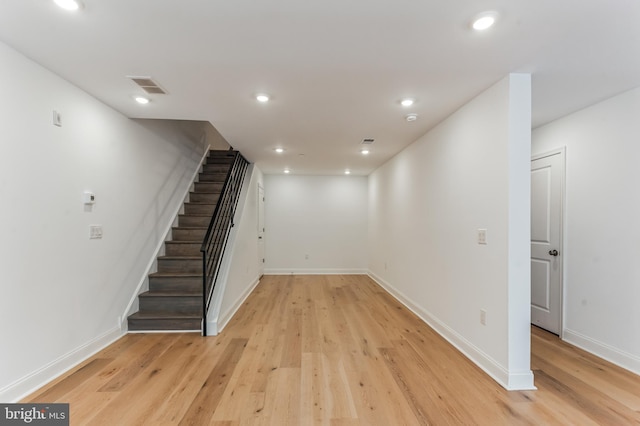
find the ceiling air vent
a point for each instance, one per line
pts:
(367, 141)
(148, 85)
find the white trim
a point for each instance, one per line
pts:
(223, 319)
(614, 355)
(17, 390)
(301, 271)
(560, 150)
(510, 381)
(143, 285)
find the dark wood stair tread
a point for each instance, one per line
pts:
(171, 293)
(175, 274)
(182, 242)
(191, 227)
(180, 257)
(163, 315)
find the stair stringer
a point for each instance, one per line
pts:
(217, 317)
(152, 266)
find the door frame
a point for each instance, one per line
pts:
(261, 232)
(562, 151)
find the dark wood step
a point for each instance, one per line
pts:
(199, 209)
(208, 187)
(187, 264)
(222, 153)
(153, 322)
(170, 303)
(214, 159)
(212, 177)
(198, 221)
(182, 248)
(204, 197)
(174, 281)
(183, 233)
(215, 168)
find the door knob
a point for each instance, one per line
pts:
(553, 252)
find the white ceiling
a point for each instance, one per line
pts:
(336, 69)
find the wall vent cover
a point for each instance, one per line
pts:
(148, 85)
(367, 141)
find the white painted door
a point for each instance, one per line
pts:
(261, 225)
(547, 172)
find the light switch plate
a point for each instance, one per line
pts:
(57, 119)
(95, 232)
(482, 236)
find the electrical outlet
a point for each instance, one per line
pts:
(483, 317)
(482, 236)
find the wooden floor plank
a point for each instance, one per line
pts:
(336, 351)
(206, 401)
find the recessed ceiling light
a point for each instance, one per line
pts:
(287, 171)
(69, 4)
(279, 150)
(411, 117)
(365, 152)
(141, 100)
(262, 98)
(484, 21)
(407, 102)
(347, 172)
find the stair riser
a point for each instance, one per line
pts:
(208, 187)
(185, 234)
(199, 221)
(180, 265)
(186, 284)
(199, 209)
(220, 160)
(171, 305)
(168, 324)
(187, 249)
(215, 168)
(212, 177)
(203, 197)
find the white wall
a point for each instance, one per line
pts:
(63, 294)
(324, 217)
(425, 207)
(602, 226)
(242, 266)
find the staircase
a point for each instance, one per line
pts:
(174, 299)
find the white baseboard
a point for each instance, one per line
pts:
(300, 271)
(614, 355)
(29, 384)
(510, 381)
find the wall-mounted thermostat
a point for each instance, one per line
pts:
(89, 198)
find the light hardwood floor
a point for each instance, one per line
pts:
(332, 350)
